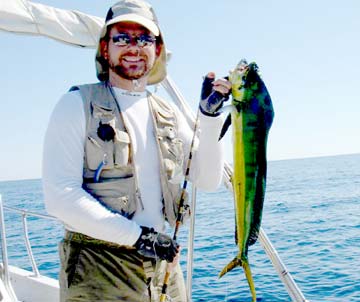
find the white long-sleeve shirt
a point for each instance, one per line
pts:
(63, 167)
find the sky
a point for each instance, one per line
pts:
(307, 51)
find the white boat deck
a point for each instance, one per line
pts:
(29, 288)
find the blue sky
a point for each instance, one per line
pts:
(308, 52)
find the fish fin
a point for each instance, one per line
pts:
(234, 263)
(225, 127)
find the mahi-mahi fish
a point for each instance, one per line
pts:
(251, 118)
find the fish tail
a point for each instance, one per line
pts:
(246, 266)
(234, 263)
(249, 278)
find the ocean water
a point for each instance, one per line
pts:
(311, 215)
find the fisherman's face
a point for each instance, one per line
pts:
(133, 60)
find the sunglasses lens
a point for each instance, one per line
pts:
(123, 39)
(145, 40)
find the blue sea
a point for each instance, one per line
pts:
(311, 215)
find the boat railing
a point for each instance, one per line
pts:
(5, 260)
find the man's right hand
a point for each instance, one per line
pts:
(156, 245)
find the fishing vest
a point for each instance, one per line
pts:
(109, 172)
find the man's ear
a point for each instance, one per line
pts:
(159, 46)
(104, 49)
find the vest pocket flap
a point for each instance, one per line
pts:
(112, 188)
(99, 111)
(163, 120)
(122, 136)
(164, 113)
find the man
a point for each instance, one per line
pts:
(114, 160)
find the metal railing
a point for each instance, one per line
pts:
(5, 267)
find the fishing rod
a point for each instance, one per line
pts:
(181, 208)
(170, 87)
(290, 285)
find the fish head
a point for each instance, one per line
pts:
(253, 78)
(237, 78)
(249, 92)
(245, 79)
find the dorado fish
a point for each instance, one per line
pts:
(251, 118)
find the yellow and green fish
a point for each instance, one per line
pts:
(251, 118)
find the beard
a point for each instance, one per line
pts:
(125, 73)
(130, 71)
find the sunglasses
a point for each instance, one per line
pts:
(123, 39)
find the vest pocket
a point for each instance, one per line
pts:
(122, 148)
(98, 151)
(117, 195)
(172, 151)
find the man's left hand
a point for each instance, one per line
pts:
(213, 94)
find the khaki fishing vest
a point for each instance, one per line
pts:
(109, 172)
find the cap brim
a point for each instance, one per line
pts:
(150, 25)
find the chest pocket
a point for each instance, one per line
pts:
(107, 147)
(121, 148)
